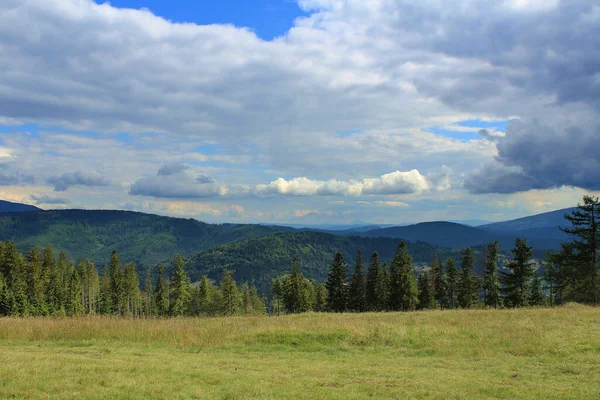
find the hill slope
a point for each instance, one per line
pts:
(7, 206)
(143, 238)
(447, 234)
(260, 259)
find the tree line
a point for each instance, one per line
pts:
(570, 275)
(39, 284)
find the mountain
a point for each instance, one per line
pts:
(143, 238)
(9, 207)
(441, 233)
(552, 219)
(259, 259)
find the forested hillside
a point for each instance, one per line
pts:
(260, 259)
(8, 206)
(142, 238)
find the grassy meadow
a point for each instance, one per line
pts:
(525, 353)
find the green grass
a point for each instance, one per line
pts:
(528, 353)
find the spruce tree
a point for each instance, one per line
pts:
(403, 288)
(320, 302)
(35, 280)
(536, 296)
(106, 303)
(278, 295)
(74, 302)
(114, 274)
(491, 284)
(377, 291)
(148, 294)
(246, 299)
(131, 290)
(552, 279)
(426, 290)
(467, 292)
(358, 287)
(515, 284)
(337, 292)
(93, 288)
(161, 293)
(180, 289)
(205, 304)
(579, 259)
(439, 282)
(293, 286)
(53, 281)
(229, 292)
(452, 282)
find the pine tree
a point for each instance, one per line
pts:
(93, 287)
(337, 291)
(114, 274)
(452, 282)
(439, 282)
(277, 288)
(180, 289)
(536, 296)
(148, 294)
(246, 299)
(377, 291)
(467, 292)
(579, 259)
(491, 284)
(515, 284)
(403, 288)
(320, 302)
(426, 290)
(35, 281)
(229, 292)
(53, 282)
(293, 287)
(161, 293)
(205, 299)
(106, 304)
(131, 290)
(358, 287)
(74, 302)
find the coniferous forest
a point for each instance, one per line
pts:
(43, 283)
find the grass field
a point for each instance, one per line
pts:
(528, 353)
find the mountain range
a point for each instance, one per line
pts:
(256, 252)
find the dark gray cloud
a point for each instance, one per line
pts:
(83, 178)
(204, 179)
(171, 168)
(533, 155)
(47, 199)
(10, 178)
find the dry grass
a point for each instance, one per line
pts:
(528, 353)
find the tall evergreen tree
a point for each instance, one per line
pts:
(337, 291)
(536, 296)
(161, 293)
(403, 288)
(377, 291)
(35, 280)
(229, 292)
(130, 290)
(180, 289)
(53, 282)
(552, 279)
(439, 282)
(467, 293)
(491, 284)
(426, 290)
(357, 297)
(320, 303)
(74, 302)
(579, 259)
(515, 284)
(148, 294)
(93, 287)
(114, 274)
(204, 299)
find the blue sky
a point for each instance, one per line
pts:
(248, 113)
(267, 18)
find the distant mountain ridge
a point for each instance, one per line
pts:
(9, 207)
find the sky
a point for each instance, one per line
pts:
(305, 112)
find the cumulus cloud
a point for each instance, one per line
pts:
(48, 199)
(171, 169)
(393, 183)
(82, 178)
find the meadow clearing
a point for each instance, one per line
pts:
(540, 353)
